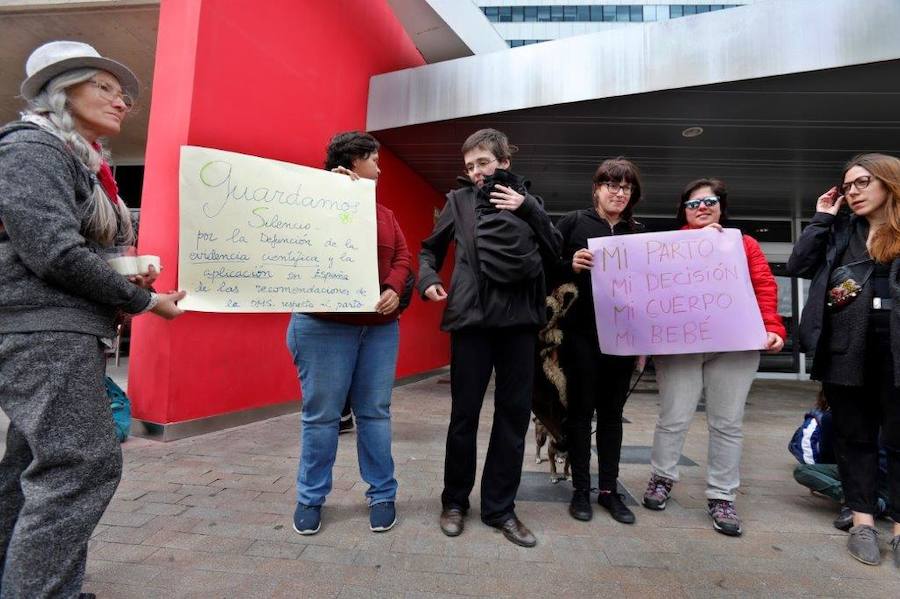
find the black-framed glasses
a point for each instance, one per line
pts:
(860, 183)
(708, 201)
(616, 188)
(480, 164)
(110, 94)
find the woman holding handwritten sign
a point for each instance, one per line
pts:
(724, 378)
(59, 210)
(355, 354)
(596, 381)
(851, 323)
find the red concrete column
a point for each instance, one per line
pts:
(274, 79)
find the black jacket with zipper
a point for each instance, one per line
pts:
(576, 228)
(815, 256)
(473, 299)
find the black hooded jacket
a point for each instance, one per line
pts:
(474, 298)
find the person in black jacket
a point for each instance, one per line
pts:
(596, 381)
(852, 323)
(495, 306)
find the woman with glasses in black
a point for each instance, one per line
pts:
(850, 322)
(596, 381)
(724, 378)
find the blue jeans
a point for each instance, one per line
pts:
(334, 359)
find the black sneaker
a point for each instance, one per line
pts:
(613, 503)
(346, 424)
(580, 506)
(844, 519)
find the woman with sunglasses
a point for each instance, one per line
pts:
(724, 378)
(850, 323)
(594, 380)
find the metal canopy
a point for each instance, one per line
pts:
(777, 142)
(785, 92)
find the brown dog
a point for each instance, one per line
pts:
(541, 437)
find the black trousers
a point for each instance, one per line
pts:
(859, 413)
(595, 382)
(474, 353)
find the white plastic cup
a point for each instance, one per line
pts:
(146, 261)
(125, 265)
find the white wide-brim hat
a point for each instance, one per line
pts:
(55, 58)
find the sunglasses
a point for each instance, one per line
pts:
(708, 201)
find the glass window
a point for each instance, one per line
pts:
(556, 13)
(650, 13)
(622, 13)
(716, 6)
(531, 13)
(637, 13)
(518, 14)
(596, 13)
(702, 8)
(570, 13)
(515, 43)
(675, 11)
(584, 13)
(543, 13)
(492, 13)
(690, 9)
(505, 14)
(609, 13)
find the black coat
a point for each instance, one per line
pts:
(815, 256)
(474, 300)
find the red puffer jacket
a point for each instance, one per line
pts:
(764, 286)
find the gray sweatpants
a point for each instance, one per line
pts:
(62, 461)
(725, 379)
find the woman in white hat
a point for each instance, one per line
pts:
(59, 207)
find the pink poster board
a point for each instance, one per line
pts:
(679, 292)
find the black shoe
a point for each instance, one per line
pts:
(613, 503)
(516, 532)
(844, 519)
(346, 424)
(580, 506)
(87, 596)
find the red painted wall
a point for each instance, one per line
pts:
(274, 79)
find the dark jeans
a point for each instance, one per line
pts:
(859, 414)
(595, 382)
(474, 353)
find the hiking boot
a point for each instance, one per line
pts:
(307, 519)
(724, 517)
(382, 516)
(613, 503)
(657, 493)
(580, 506)
(346, 424)
(895, 546)
(863, 544)
(844, 519)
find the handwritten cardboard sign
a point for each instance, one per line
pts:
(679, 292)
(261, 235)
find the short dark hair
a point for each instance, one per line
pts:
(346, 147)
(491, 140)
(718, 189)
(614, 170)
